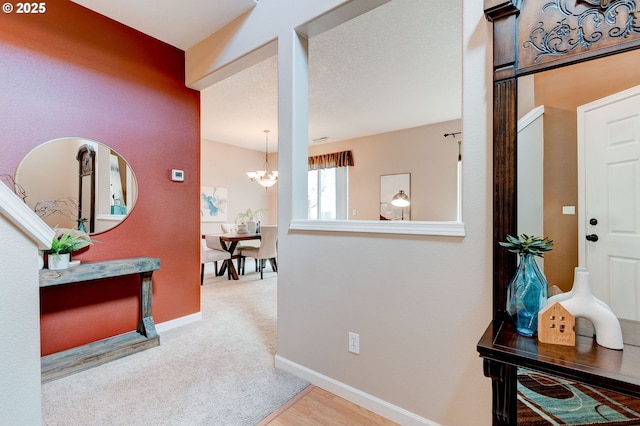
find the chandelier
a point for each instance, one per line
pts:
(265, 177)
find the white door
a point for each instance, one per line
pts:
(609, 188)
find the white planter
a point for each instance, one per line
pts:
(58, 262)
(251, 227)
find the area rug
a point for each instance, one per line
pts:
(548, 400)
(218, 371)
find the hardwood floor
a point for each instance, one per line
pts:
(317, 407)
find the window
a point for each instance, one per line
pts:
(328, 193)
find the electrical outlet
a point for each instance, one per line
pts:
(354, 342)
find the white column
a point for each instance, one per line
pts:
(293, 126)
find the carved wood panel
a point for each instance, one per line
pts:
(554, 32)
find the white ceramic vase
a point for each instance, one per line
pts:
(581, 302)
(251, 227)
(58, 262)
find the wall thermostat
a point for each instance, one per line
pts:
(177, 175)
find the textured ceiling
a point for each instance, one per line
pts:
(397, 66)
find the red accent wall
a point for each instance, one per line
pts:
(73, 72)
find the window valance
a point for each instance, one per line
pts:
(334, 159)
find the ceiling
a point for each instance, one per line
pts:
(395, 67)
(179, 23)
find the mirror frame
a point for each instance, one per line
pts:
(516, 25)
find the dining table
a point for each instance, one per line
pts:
(229, 242)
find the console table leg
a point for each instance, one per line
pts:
(146, 326)
(505, 392)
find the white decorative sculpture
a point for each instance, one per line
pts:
(581, 302)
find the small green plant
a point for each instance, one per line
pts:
(67, 243)
(527, 244)
(250, 215)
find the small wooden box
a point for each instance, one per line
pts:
(556, 325)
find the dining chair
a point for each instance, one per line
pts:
(212, 254)
(268, 250)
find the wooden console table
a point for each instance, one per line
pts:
(503, 351)
(83, 357)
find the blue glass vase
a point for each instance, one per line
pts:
(526, 295)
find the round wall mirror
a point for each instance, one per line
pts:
(78, 183)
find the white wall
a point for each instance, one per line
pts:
(419, 303)
(225, 166)
(531, 164)
(20, 399)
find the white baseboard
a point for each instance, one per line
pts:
(178, 322)
(370, 402)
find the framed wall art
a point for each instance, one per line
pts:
(213, 204)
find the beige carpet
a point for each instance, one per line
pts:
(219, 371)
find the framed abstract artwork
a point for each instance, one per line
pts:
(213, 204)
(391, 185)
